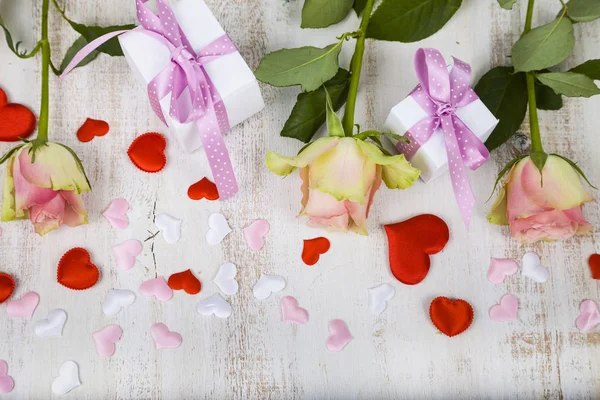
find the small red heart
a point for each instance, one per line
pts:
(594, 262)
(16, 120)
(7, 286)
(411, 242)
(451, 317)
(203, 189)
(313, 248)
(185, 280)
(76, 271)
(92, 128)
(147, 152)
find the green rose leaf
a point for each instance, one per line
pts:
(322, 13)
(309, 114)
(504, 92)
(507, 4)
(583, 10)
(547, 98)
(334, 125)
(544, 46)
(569, 84)
(74, 49)
(410, 20)
(359, 6)
(590, 68)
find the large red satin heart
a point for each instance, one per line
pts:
(7, 286)
(16, 120)
(203, 189)
(451, 317)
(313, 248)
(594, 262)
(76, 271)
(411, 242)
(185, 281)
(147, 152)
(92, 128)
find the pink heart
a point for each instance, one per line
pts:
(6, 382)
(158, 288)
(164, 338)
(506, 310)
(291, 312)
(255, 233)
(126, 252)
(106, 338)
(24, 307)
(589, 317)
(116, 214)
(340, 335)
(501, 268)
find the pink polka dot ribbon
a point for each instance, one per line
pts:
(440, 93)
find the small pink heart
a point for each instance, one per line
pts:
(158, 288)
(126, 252)
(255, 234)
(506, 310)
(116, 214)
(340, 335)
(164, 338)
(501, 268)
(106, 338)
(589, 317)
(24, 307)
(6, 382)
(291, 312)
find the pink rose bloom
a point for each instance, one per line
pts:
(47, 190)
(535, 212)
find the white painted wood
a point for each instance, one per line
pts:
(253, 354)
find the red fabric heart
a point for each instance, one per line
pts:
(92, 128)
(411, 242)
(203, 189)
(147, 152)
(16, 120)
(594, 262)
(185, 281)
(451, 317)
(7, 286)
(76, 271)
(313, 248)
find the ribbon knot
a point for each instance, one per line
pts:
(180, 55)
(444, 110)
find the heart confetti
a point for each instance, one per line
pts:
(7, 286)
(451, 317)
(68, 378)
(203, 189)
(589, 317)
(116, 214)
(76, 271)
(501, 268)
(268, 284)
(379, 297)
(339, 335)
(169, 226)
(92, 128)
(411, 242)
(6, 382)
(126, 252)
(594, 262)
(506, 310)
(147, 152)
(218, 229)
(313, 248)
(291, 312)
(225, 279)
(24, 307)
(185, 281)
(255, 234)
(106, 338)
(52, 325)
(16, 120)
(532, 268)
(164, 338)
(214, 305)
(116, 300)
(158, 288)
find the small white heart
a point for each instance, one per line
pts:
(225, 279)
(216, 305)
(67, 379)
(218, 229)
(379, 296)
(116, 299)
(52, 325)
(268, 284)
(169, 226)
(533, 269)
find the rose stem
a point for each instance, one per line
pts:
(534, 125)
(42, 135)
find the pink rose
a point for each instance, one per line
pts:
(535, 212)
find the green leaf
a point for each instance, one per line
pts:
(359, 6)
(546, 98)
(569, 84)
(309, 114)
(75, 47)
(410, 20)
(308, 67)
(334, 125)
(590, 68)
(539, 160)
(544, 46)
(322, 13)
(14, 47)
(583, 10)
(506, 168)
(507, 4)
(576, 168)
(9, 153)
(504, 92)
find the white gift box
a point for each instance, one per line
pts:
(230, 74)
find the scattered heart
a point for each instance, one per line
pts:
(268, 284)
(116, 214)
(6, 382)
(24, 307)
(158, 288)
(291, 312)
(52, 325)
(147, 152)
(16, 120)
(185, 281)
(379, 297)
(225, 279)
(116, 300)
(532, 268)
(313, 248)
(214, 305)
(164, 338)
(203, 189)
(339, 335)
(594, 262)
(169, 226)
(589, 317)
(68, 378)
(218, 229)
(92, 128)
(126, 253)
(76, 271)
(106, 339)
(501, 268)
(506, 310)
(255, 234)
(451, 317)
(7, 286)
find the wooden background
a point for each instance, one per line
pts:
(398, 354)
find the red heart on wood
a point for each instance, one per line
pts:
(451, 317)
(147, 152)
(411, 242)
(594, 262)
(76, 271)
(313, 248)
(7, 286)
(203, 189)
(185, 281)
(92, 128)
(16, 120)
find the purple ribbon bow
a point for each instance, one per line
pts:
(440, 94)
(203, 104)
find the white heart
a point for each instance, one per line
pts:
(67, 379)
(218, 229)
(533, 269)
(169, 226)
(116, 299)
(52, 325)
(379, 296)
(216, 305)
(225, 279)
(268, 284)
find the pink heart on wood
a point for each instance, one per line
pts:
(164, 338)
(158, 288)
(24, 307)
(340, 335)
(106, 338)
(589, 317)
(501, 268)
(116, 214)
(126, 252)
(6, 382)
(255, 234)
(291, 312)
(506, 310)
